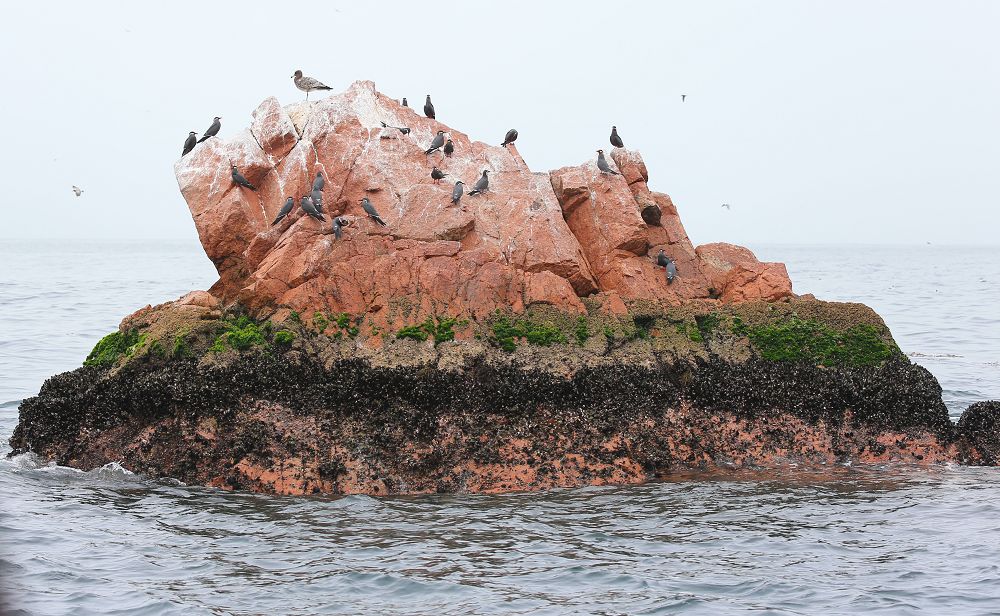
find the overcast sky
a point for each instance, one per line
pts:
(819, 122)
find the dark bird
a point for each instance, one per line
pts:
(668, 266)
(449, 147)
(683, 96)
(308, 84)
(338, 227)
(319, 182)
(77, 191)
(615, 139)
(189, 142)
(405, 104)
(402, 129)
(437, 143)
(511, 137)
(437, 174)
(285, 210)
(429, 108)
(369, 209)
(317, 199)
(456, 194)
(307, 204)
(213, 130)
(726, 205)
(242, 181)
(482, 184)
(603, 165)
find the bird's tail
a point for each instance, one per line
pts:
(379, 220)
(204, 138)
(474, 192)
(430, 150)
(318, 216)
(278, 219)
(323, 88)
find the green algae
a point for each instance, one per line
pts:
(114, 346)
(798, 339)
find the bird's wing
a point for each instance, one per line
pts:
(309, 82)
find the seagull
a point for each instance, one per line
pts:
(603, 165)
(77, 191)
(511, 137)
(437, 174)
(369, 209)
(456, 194)
(213, 130)
(482, 184)
(429, 108)
(319, 182)
(308, 84)
(242, 181)
(285, 210)
(683, 96)
(726, 205)
(338, 227)
(615, 139)
(307, 204)
(437, 143)
(449, 147)
(189, 143)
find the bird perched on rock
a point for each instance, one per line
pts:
(437, 174)
(308, 84)
(242, 181)
(338, 227)
(77, 191)
(683, 96)
(213, 130)
(317, 199)
(511, 137)
(482, 184)
(189, 143)
(669, 268)
(319, 182)
(437, 143)
(615, 139)
(449, 148)
(603, 165)
(310, 208)
(369, 209)
(456, 193)
(405, 104)
(285, 210)
(429, 108)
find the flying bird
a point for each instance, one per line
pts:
(189, 143)
(615, 139)
(449, 147)
(369, 209)
(437, 143)
(308, 84)
(603, 165)
(405, 104)
(726, 205)
(402, 129)
(456, 194)
(429, 108)
(437, 174)
(683, 96)
(669, 268)
(213, 130)
(242, 181)
(319, 182)
(338, 227)
(77, 191)
(307, 204)
(511, 137)
(285, 210)
(482, 184)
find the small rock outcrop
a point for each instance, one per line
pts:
(550, 238)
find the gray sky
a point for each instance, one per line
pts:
(819, 122)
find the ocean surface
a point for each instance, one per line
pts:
(845, 541)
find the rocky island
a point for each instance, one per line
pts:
(523, 338)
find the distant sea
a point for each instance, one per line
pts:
(844, 541)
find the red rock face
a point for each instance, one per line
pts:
(531, 238)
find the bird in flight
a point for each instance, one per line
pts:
(726, 205)
(77, 191)
(683, 96)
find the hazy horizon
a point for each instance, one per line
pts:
(849, 123)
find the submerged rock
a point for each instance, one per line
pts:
(524, 339)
